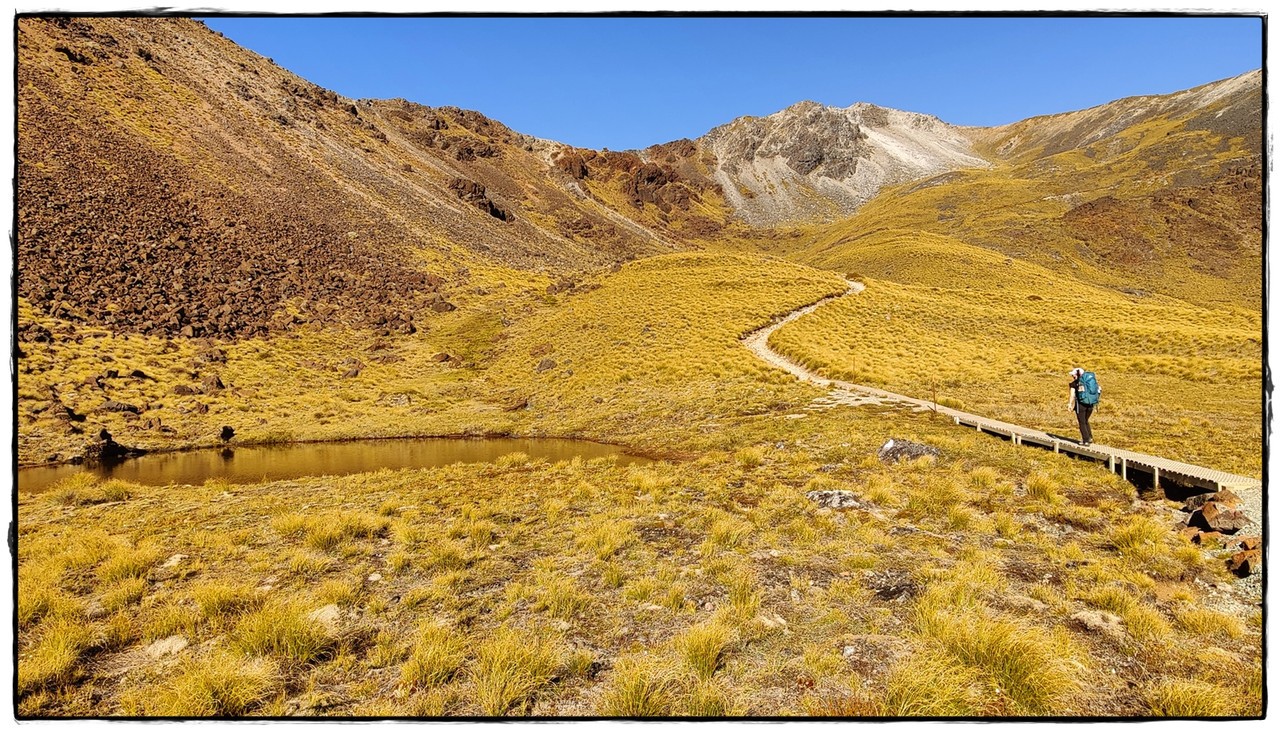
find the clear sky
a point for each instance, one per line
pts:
(626, 83)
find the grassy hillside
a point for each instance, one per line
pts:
(1165, 203)
(637, 352)
(1179, 381)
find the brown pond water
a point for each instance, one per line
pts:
(243, 465)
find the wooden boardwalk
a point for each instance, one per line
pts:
(1119, 461)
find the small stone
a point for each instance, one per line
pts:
(545, 364)
(375, 577)
(1099, 621)
(326, 616)
(561, 625)
(174, 560)
(1026, 604)
(170, 645)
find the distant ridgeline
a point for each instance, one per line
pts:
(171, 182)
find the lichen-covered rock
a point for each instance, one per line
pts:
(838, 499)
(896, 450)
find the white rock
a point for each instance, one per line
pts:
(375, 577)
(170, 645)
(326, 616)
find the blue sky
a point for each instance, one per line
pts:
(626, 83)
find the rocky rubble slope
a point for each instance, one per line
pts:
(171, 182)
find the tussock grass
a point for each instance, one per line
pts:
(55, 659)
(1201, 622)
(342, 592)
(510, 669)
(709, 698)
(1188, 699)
(1031, 667)
(221, 684)
(559, 596)
(78, 489)
(607, 538)
(1043, 486)
(218, 600)
(128, 563)
(124, 593)
(926, 686)
(704, 646)
(279, 629)
(438, 653)
(170, 619)
(38, 600)
(1140, 538)
(638, 687)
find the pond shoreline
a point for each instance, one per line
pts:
(254, 461)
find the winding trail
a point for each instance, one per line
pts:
(1117, 460)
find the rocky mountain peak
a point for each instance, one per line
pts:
(815, 161)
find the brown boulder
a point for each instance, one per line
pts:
(442, 306)
(440, 357)
(184, 390)
(211, 383)
(351, 372)
(1217, 517)
(545, 364)
(1190, 532)
(1245, 543)
(1223, 497)
(1245, 563)
(1208, 537)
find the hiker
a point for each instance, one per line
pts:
(1085, 392)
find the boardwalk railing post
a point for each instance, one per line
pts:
(1124, 469)
(1155, 478)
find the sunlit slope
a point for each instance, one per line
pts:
(999, 335)
(1165, 201)
(657, 344)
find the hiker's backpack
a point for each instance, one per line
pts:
(1088, 391)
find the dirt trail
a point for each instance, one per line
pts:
(846, 393)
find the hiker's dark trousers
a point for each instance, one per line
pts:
(1083, 412)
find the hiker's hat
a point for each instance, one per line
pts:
(1075, 371)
